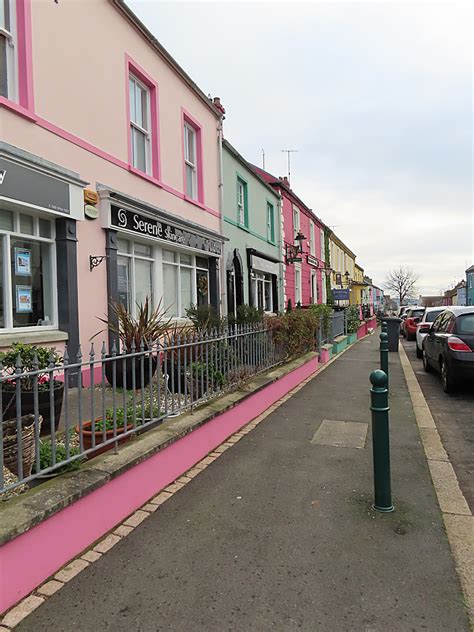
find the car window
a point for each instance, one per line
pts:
(430, 316)
(417, 312)
(440, 321)
(450, 324)
(465, 324)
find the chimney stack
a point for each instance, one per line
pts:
(218, 104)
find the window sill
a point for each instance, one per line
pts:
(243, 227)
(19, 109)
(145, 176)
(195, 202)
(45, 336)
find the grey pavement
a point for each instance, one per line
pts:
(279, 534)
(454, 418)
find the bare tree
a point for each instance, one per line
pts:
(402, 282)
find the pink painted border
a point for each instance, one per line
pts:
(83, 144)
(186, 117)
(44, 549)
(25, 54)
(131, 67)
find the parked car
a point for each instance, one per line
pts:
(428, 317)
(411, 319)
(448, 346)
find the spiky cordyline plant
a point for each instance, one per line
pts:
(146, 327)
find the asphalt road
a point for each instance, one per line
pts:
(454, 417)
(278, 534)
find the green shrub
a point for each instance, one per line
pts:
(352, 319)
(205, 318)
(323, 312)
(295, 331)
(45, 356)
(246, 315)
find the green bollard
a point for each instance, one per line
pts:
(380, 441)
(384, 354)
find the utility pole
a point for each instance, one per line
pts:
(289, 152)
(263, 159)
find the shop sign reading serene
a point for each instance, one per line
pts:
(312, 260)
(149, 227)
(27, 185)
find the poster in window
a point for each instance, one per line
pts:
(22, 262)
(24, 299)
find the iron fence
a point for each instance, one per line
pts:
(47, 426)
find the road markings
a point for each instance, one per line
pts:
(457, 516)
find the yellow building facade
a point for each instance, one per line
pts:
(342, 262)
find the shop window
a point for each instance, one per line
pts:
(27, 295)
(270, 223)
(135, 274)
(262, 291)
(185, 282)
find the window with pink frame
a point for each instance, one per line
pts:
(15, 53)
(192, 159)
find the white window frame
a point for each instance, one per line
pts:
(323, 253)
(298, 286)
(314, 287)
(190, 162)
(134, 126)
(7, 236)
(270, 222)
(296, 221)
(195, 268)
(323, 287)
(10, 37)
(312, 250)
(241, 202)
(262, 279)
(132, 257)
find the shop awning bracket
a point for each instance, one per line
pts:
(96, 260)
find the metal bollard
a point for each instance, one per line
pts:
(380, 441)
(384, 354)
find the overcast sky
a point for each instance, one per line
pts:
(377, 99)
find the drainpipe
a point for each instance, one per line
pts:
(223, 286)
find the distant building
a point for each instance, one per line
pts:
(470, 285)
(431, 301)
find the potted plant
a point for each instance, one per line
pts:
(46, 455)
(96, 429)
(28, 443)
(33, 358)
(133, 332)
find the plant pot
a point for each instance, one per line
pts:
(28, 405)
(87, 435)
(28, 444)
(129, 370)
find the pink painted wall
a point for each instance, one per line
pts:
(85, 127)
(44, 549)
(288, 231)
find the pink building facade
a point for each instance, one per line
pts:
(304, 278)
(109, 173)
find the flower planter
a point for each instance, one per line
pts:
(28, 405)
(28, 444)
(87, 435)
(131, 367)
(351, 338)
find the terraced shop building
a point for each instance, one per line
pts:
(109, 189)
(252, 223)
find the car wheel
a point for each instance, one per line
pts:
(426, 364)
(446, 379)
(419, 352)
(410, 336)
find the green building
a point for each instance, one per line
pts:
(252, 223)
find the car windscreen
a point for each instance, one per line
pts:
(465, 324)
(430, 316)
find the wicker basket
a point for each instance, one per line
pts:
(10, 443)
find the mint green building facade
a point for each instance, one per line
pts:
(252, 260)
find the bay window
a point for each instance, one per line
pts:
(27, 271)
(185, 282)
(135, 274)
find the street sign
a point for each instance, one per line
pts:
(340, 295)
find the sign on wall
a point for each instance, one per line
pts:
(33, 187)
(150, 227)
(340, 295)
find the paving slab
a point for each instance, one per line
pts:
(279, 534)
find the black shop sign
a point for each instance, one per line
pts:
(149, 227)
